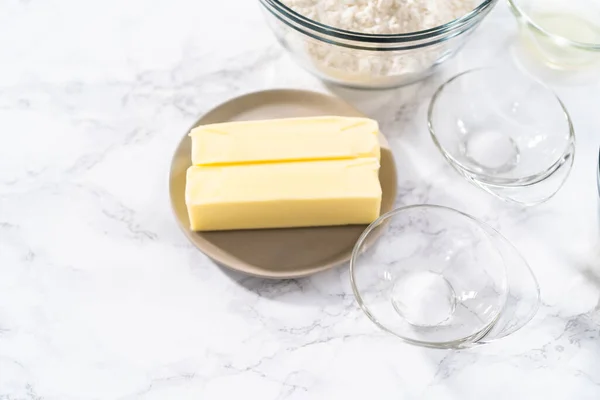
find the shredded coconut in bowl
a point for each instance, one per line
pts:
(366, 68)
(382, 16)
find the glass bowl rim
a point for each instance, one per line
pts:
(278, 6)
(530, 22)
(569, 149)
(598, 174)
(453, 344)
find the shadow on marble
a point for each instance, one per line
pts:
(331, 286)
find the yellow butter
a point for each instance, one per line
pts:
(291, 139)
(278, 195)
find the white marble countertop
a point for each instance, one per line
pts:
(102, 297)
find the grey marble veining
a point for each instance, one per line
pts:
(101, 297)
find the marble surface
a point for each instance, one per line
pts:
(101, 296)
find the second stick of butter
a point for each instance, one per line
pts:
(282, 195)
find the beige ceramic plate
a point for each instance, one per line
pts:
(276, 253)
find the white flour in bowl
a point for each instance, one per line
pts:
(382, 16)
(367, 68)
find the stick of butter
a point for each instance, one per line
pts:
(291, 139)
(278, 195)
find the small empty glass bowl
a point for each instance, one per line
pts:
(565, 34)
(504, 131)
(430, 275)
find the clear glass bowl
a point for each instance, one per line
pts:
(367, 60)
(565, 34)
(504, 131)
(430, 275)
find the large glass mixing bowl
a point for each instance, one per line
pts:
(367, 60)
